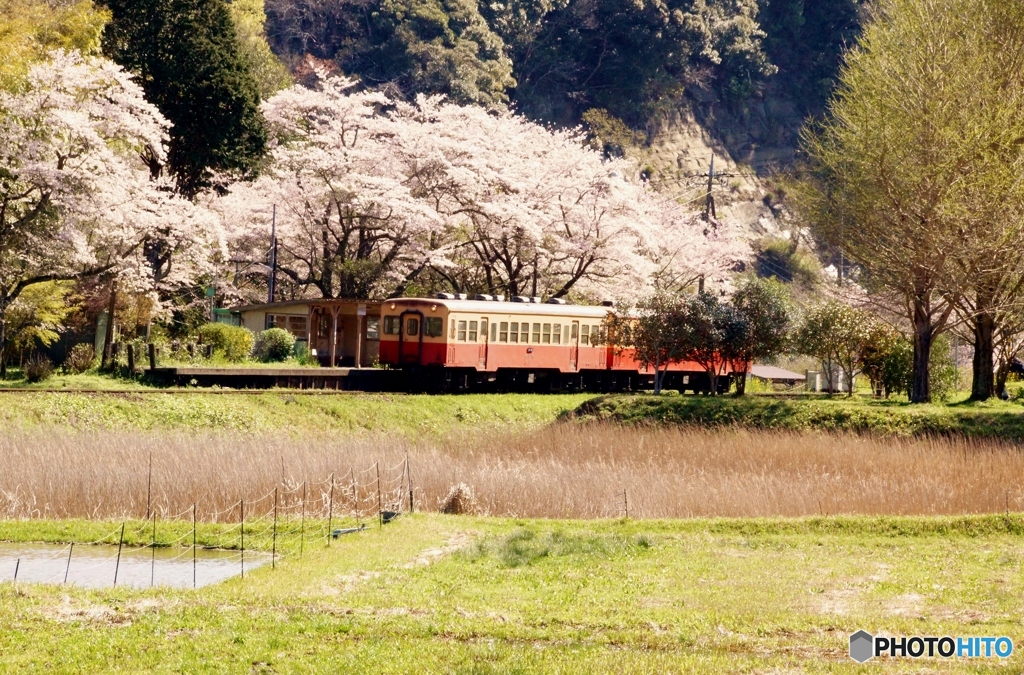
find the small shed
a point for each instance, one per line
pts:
(776, 375)
(339, 333)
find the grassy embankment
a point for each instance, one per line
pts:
(456, 594)
(988, 420)
(280, 411)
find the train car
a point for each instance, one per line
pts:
(451, 343)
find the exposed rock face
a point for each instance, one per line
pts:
(750, 143)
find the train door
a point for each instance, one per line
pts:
(484, 343)
(410, 338)
(574, 345)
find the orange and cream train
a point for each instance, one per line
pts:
(450, 343)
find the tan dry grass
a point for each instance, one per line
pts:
(569, 470)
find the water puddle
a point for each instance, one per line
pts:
(94, 566)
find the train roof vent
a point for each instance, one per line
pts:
(481, 296)
(535, 300)
(556, 301)
(445, 296)
(461, 296)
(499, 298)
(520, 298)
(607, 303)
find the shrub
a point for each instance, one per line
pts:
(81, 358)
(233, 342)
(274, 344)
(38, 368)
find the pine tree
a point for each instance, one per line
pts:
(186, 56)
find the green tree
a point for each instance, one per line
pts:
(887, 359)
(31, 28)
(764, 305)
(652, 330)
(36, 319)
(250, 24)
(837, 335)
(186, 55)
(902, 169)
(710, 333)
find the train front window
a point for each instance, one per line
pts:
(392, 326)
(513, 333)
(462, 331)
(545, 335)
(434, 326)
(503, 334)
(556, 337)
(412, 327)
(473, 328)
(585, 335)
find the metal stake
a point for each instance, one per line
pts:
(68, 568)
(117, 565)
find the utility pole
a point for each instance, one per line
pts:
(709, 202)
(273, 257)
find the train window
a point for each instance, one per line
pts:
(585, 335)
(494, 332)
(473, 326)
(513, 333)
(451, 331)
(462, 331)
(412, 327)
(524, 333)
(556, 337)
(575, 329)
(536, 333)
(595, 335)
(503, 333)
(392, 325)
(434, 326)
(545, 336)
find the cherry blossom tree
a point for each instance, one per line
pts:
(80, 148)
(373, 195)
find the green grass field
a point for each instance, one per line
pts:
(442, 594)
(992, 419)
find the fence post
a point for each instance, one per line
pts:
(380, 511)
(68, 568)
(273, 554)
(149, 486)
(117, 565)
(131, 358)
(302, 523)
(241, 531)
(152, 566)
(408, 472)
(330, 511)
(193, 545)
(152, 356)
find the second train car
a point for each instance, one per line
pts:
(452, 344)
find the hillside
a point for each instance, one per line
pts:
(668, 83)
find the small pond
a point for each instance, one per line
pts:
(94, 566)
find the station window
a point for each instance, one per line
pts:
(434, 326)
(513, 333)
(503, 334)
(556, 337)
(545, 335)
(585, 335)
(473, 327)
(391, 326)
(494, 332)
(412, 327)
(462, 331)
(373, 329)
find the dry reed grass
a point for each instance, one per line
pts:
(568, 470)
